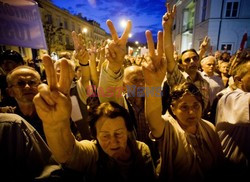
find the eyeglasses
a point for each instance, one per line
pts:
(194, 58)
(22, 83)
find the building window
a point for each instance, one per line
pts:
(49, 18)
(204, 10)
(226, 47)
(65, 24)
(73, 26)
(67, 40)
(232, 9)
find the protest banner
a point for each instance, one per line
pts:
(21, 25)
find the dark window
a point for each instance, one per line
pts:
(235, 9)
(226, 47)
(49, 19)
(204, 9)
(228, 11)
(232, 9)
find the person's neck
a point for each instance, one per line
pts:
(191, 129)
(28, 109)
(193, 75)
(224, 75)
(210, 74)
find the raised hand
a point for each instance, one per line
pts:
(205, 43)
(167, 22)
(53, 104)
(154, 66)
(116, 49)
(80, 53)
(168, 17)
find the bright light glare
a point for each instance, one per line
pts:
(130, 35)
(123, 23)
(85, 30)
(136, 42)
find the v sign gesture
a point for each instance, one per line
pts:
(53, 106)
(116, 49)
(154, 70)
(155, 67)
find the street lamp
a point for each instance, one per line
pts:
(85, 30)
(130, 35)
(123, 23)
(136, 42)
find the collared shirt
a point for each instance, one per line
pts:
(215, 85)
(178, 77)
(142, 128)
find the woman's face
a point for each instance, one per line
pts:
(112, 135)
(187, 109)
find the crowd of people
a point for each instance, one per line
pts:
(101, 114)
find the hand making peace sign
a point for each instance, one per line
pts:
(154, 67)
(116, 49)
(80, 53)
(53, 104)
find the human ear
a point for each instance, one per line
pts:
(10, 92)
(172, 109)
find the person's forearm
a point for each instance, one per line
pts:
(93, 72)
(85, 75)
(110, 85)
(169, 49)
(153, 109)
(60, 140)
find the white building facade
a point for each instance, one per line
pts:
(223, 21)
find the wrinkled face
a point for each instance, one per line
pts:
(190, 62)
(134, 81)
(187, 109)
(224, 67)
(112, 135)
(24, 85)
(208, 66)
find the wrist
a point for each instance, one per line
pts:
(87, 64)
(114, 68)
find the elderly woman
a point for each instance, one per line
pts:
(189, 146)
(114, 155)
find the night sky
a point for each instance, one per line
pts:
(145, 14)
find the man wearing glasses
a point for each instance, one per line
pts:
(22, 86)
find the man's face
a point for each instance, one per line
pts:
(208, 66)
(134, 79)
(190, 62)
(24, 83)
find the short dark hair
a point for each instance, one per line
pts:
(190, 50)
(11, 55)
(179, 90)
(109, 110)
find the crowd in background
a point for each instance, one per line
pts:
(100, 114)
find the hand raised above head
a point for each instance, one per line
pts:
(168, 17)
(154, 65)
(116, 49)
(80, 53)
(205, 43)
